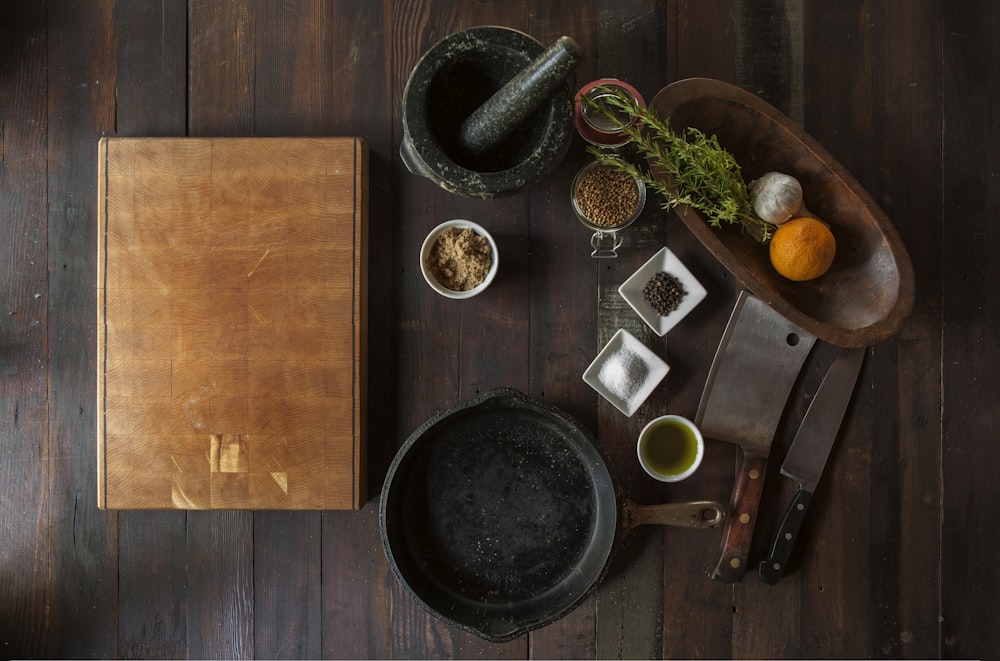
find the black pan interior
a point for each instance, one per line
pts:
(499, 515)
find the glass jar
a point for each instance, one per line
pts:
(607, 201)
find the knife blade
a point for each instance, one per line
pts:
(809, 452)
(755, 367)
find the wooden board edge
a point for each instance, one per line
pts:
(102, 232)
(359, 493)
(361, 157)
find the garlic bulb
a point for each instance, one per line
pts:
(776, 197)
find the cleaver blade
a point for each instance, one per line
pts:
(755, 367)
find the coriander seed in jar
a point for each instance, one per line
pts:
(607, 200)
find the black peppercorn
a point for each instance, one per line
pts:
(664, 292)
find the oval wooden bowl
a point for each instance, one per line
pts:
(868, 292)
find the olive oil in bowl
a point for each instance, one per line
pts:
(670, 448)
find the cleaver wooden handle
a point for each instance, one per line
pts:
(740, 521)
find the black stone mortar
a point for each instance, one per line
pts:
(456, 77)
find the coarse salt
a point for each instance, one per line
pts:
(623, 374)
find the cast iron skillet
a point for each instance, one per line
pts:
(499, 515)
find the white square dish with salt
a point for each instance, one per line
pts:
(625, 372)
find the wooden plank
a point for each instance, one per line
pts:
(701, 41)
(562, 329)
(909, 382)
(150, 51)
(22, 179)
(221, 103)
(220, 585)
(24, 300)
(629, 605)
(294, 93)
(294, 66)
(151, 58)
(221, 68)
(693, 25)
(828, 608)
(772, 32)
(820, 584)
(355, 101)
(769, 43)
(81, 542)
(152, 586)
(970, 495)
(287, 607)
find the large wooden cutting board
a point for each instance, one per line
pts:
(232, 314)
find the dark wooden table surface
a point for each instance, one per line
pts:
(898, 557)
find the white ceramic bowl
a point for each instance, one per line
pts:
(428, 244)
(631, 291)
(644, 439)
(625, 372)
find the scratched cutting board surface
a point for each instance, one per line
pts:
(231, 323)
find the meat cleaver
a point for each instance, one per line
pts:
(809, 452)
(755, 367)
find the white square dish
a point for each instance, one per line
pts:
(625, 372)
(631, 291)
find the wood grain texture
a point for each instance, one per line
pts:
(737, 535)
(24, 328)
(894, 561)
(627, 626)
(970, 494)
(152, 614)
(230, 312)
(80, 549)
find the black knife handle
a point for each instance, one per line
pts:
(773, 567)
(740, 520)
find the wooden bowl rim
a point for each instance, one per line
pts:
(684, 91)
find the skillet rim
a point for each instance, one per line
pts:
(504, 622)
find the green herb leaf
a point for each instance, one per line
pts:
(692, 169)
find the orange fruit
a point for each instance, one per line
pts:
(802, 249)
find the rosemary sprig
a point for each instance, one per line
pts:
(697, 171)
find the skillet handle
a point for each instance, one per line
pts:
(743, 508)
(694, 514)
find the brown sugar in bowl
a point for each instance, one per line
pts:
(431, 272)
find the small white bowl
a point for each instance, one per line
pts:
(645, 438)
(428, 244)
(631, 291)
(625, 372)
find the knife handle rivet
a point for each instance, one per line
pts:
(788, 536)
(800, 507)
(753, 474)
(744, 518)
(776, 566)
(735, 563)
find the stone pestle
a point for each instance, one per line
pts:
(503, 112)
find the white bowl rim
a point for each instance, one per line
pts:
(700, 439)
(657, 366)
(428, 243)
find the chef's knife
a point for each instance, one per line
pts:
(755, 367)
(808, 453)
